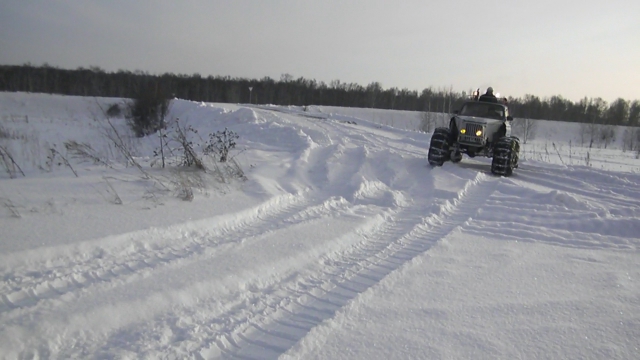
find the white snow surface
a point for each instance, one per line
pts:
(342, 242)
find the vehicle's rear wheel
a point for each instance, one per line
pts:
(439, 146)
(505, 156)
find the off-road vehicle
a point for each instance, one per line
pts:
(477, 129)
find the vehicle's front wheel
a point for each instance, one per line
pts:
(456, 156)
(505, 156)
(439, 146)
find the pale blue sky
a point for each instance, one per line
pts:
(568, 48)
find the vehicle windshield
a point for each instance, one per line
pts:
(480, 109)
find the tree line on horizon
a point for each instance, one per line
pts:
(94, 81)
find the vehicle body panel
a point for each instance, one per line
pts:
(478, 125)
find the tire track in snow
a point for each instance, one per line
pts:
(269, 320)
(134, 338)
(409, 234)
(106, 266)
(365, 136)
(557, 216)
(619, 194)
(26, 286)
(387, 243)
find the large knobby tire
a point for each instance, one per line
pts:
(505, 156)
(439, 146)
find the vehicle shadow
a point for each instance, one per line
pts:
(481, 165)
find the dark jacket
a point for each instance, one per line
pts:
(488, 98)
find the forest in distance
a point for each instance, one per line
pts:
(288, 90)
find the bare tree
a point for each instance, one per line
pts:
(525, 128)
(427, 120)
(597, 134)
(606, 134)
(634, 113)
(148, 110)
(588, 133)
(631, 139)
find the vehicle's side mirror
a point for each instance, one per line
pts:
(509, 118)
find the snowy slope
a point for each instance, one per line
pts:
(342, 243)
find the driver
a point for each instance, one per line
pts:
(488, 96)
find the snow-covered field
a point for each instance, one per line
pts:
(342, 243)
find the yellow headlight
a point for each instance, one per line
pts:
(463, 131)
(479, 132)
